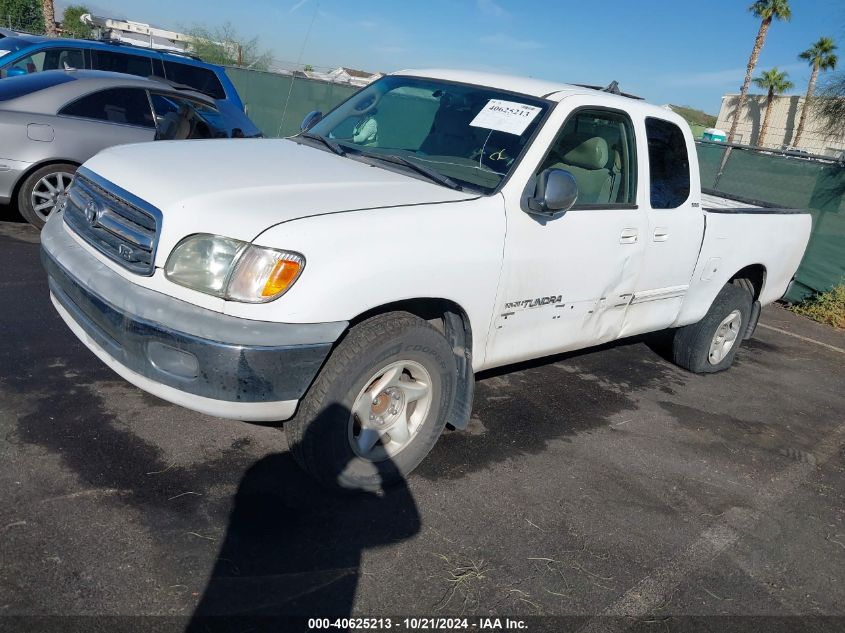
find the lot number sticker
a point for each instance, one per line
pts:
(505, 116)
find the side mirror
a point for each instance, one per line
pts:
(16, 71)
(311, 119)
(556, 191)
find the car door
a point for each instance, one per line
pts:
(566, 280)
(100, 119)
(675, 229)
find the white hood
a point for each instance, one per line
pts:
(239, 187)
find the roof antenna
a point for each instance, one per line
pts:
(613, 88)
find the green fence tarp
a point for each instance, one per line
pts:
(793, 182)
(276, 106)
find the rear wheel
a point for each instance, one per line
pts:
(711, 344)
(42, 191)
(378, 405)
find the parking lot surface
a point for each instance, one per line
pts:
(603, 483)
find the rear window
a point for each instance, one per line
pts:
(668, 163)
(200, 79)
(14, 87)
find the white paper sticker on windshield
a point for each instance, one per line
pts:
(505, 116)
(2, 52)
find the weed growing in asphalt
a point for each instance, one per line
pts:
(826, 307)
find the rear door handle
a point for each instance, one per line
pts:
(629, 236)
(661, 234)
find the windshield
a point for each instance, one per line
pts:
(469, 134)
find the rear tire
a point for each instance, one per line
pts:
(378, 405)
(710, 345)
(42, 190)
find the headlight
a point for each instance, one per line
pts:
(232, 269)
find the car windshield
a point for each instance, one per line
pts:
(470, 135)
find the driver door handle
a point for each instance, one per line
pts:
(629, 236)
(661, 234)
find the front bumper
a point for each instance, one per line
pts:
(197, 358)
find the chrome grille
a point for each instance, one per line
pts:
(116, 223)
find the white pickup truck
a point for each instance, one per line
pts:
(352, 279)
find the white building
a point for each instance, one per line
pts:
(818, 137)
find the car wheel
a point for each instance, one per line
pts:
(711, 344)
(42, 190)
(378, 405)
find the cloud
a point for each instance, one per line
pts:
(367, 24)
(491, 8)
(298, 6)
(509, 42)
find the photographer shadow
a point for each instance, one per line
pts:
(293, 549)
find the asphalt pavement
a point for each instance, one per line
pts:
(608, 486)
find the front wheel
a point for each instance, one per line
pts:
(711, 344)
(43, 190)
(378, 405)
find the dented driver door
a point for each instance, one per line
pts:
(567, 280)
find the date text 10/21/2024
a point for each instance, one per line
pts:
(418, 624)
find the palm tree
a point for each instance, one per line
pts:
(774, 82)
(766, 10)
(820, 57)
(49, 17)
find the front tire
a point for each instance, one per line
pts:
(42, 190)
(378, 405)
(710, 345)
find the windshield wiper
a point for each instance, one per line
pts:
(332, 145)
(429, 173)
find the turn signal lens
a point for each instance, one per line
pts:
(263, 274)
(283, 275)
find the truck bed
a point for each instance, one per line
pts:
(713, 202)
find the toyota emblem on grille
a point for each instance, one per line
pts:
(91, 212)
(126, 252)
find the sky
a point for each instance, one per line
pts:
(667, 51)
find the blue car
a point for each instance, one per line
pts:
(25, 54)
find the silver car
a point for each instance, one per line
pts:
(51, 122)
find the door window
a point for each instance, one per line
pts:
(122, 63)
(597, 147)
(127, 106)
(200, 79)
(178, 118)
(52, 59)
(668, 163)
